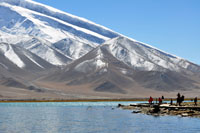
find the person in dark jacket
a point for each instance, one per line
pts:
(195, 101)
(171, 102)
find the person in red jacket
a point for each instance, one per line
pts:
(160, 100)
(150, 100)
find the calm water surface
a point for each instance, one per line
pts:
(87, 117)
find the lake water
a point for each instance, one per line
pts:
(87, 117)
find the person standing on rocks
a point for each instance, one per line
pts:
(195, 101)
(178, 99)
(150, 100)
(171, 102)
(160, 100)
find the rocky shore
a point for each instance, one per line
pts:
(185, 110)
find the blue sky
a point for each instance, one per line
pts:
(170, 25)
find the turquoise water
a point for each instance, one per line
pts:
(87, 117)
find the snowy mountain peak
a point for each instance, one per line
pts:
(95, 62)
(144, 57)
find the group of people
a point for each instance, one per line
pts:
(160, 100)
(179, 100)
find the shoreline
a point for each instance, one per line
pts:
(81, 100)
(185, 110)
(68, 100)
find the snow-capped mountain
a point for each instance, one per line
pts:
(57, 31)
(136, 56)
(144, 57)
(35, 38)
(122, 63)
(60, 38)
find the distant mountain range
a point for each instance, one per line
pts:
(47, 53)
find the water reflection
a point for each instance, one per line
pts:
(52, 118)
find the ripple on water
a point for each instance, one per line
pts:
(87, 117)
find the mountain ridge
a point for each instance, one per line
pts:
(102, 58)
(50, 53)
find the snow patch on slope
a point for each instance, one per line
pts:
(4, 66)
(129, 56)
(10, 54)
(141, 56)
(43, 49)
(12, 39)
(93, 64)
(73, 48)
(47, 54)
(31, 58)
(151, 47)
